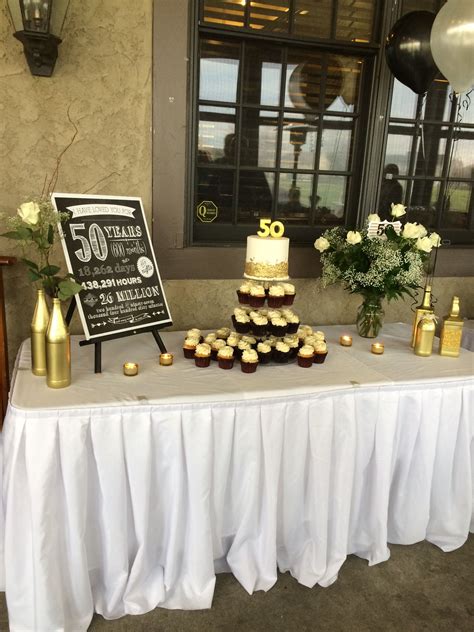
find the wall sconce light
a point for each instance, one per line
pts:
(36, 22)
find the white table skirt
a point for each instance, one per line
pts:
(121, 507)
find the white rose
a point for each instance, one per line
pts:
(321, 244)
(398, 210)
(373, 217)
(353, 237)
(424, 243)
(29, 212)
(435, 240)
(422, 232)
(411, 230)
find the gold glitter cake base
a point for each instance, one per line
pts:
(266, 271)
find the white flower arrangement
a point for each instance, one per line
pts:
(387, 265)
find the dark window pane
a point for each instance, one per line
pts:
(262, 75)
(299, 141)
(294, 197)
(224, 12)
(215, 125)
(330, 199)
(431, 150)
(459, 201)
(269, 15)
(343, 83)
(399, 144)
(424, 202)
(259, 138)
(355, 19)
(313, 19)
(462, 163)
(219, 70)
(217, 186)
(336, 144)
(255, 195)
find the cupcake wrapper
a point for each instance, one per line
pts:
(248, 367)
(259, 330)
(293, 328)
(305, 363)
(293, 353)
(189, 353)
(280, 357)
(265, 358)
(225, 363)
(279, 332)
(289, 299)
(243, 298)
(214, 354)
(275, 301)
(256, 301)
(319, 358)
(202, 362)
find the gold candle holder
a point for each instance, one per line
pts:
(378, 348)
(130, 369)
(166, 359)
(345, 341)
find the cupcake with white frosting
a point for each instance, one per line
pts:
(276, 296)
(305, 356)
(215, 346)
(293, 321)
(249, 361)
(195, 333)
(257, 296)
(223, 332)
(320, 352)
(241, 322)
(281, 352)
(189, 346)
(264, 351)
(290, 293)
(211, 336)
(242, 346)
(279, 326)
(259, 325)
(225, 357)
(202, 355)
(243, 293)
(292, 342)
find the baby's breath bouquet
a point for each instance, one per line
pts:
(35, 228)
(382, 266)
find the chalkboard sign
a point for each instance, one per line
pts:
(108, 250)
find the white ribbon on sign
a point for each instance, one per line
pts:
(377, 229)
(84, 210)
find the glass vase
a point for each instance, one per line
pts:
(370, 317)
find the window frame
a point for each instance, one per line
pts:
(172, 114)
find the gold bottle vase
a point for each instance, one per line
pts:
(58, 349)
(425, 332)
(39, 326)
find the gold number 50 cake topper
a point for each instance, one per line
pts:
(274, 229)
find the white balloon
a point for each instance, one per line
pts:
(452, 43)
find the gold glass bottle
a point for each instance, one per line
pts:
(451, 332)
(39, 325)
(424, 308)
(58, 349)
(425, 331)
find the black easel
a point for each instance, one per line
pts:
(98, 343)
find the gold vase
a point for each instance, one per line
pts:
(58, 349)
(425, 332)
(39, 325)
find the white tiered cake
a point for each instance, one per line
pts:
(267, 258)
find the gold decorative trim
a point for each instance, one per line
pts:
(267, 270)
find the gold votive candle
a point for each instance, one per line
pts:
(345, 341)
(377, 348)
(166, 359)
(130, 368)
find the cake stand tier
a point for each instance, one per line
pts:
(266, 279)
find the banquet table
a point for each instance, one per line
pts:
(121, 494)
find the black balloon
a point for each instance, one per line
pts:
(408, 51)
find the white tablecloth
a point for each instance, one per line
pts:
(123, 494)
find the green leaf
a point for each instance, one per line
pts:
(30, 264)
(50, 270)
(50, 234)
(68, 288)
(24, 232)
(33, 276)
(12, 234)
